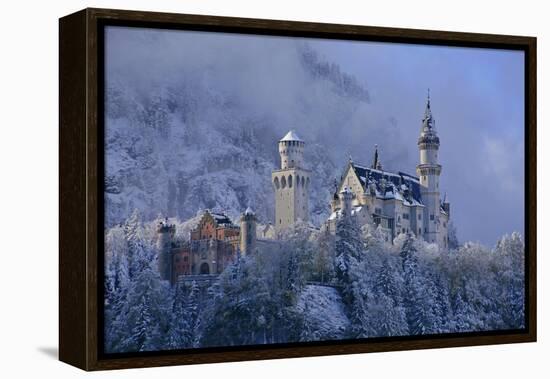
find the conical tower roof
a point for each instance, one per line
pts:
(291, 136)
(428, 133)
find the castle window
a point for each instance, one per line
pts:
(290, 181)
(276, 183)
(303, 181)
(444, 224)
(405, 216)
(432, 217)
(283, 182)
(419, 231)
(420, 216)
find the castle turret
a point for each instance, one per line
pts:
(248, 232)
(165, 233)
(346, 197)
(291, 183)
(429, 171)
(291, 150)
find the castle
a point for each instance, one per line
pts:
(213, 244)
(395, 202)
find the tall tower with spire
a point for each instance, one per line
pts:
(429, 171)
(291, 183)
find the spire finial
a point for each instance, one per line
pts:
(376, 161)
(428, 121)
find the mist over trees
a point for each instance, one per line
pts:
(311, 286)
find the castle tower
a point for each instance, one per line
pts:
(429, 171)
(346, 197)
(291, 183)
(248, 232)
(164, 246)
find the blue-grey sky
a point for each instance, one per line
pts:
(477, 100)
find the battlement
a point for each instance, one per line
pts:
(164, 227)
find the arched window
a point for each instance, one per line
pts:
(205, 269)
(297, 180)
(307, 182)
(283, 182)
(290, 181)
(276, 183)
(303, 181)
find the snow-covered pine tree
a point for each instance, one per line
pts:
(116, 284)
(348, 249)
(193, 312)
(465, 317)
(419, 293)
(180, 334)
(138, 258)
(387, 314)
(142, 322)
(351, 274)
(146, 314)
(509, 257)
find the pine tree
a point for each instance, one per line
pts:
(351, 275)
(419, 294)
(116, 284)
(180, 331)
(387, 314)
(510, 261)
(349, 249)
(192, 311)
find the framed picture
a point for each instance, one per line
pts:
(236, 189)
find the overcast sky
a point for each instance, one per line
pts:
(477, 101)
(477, 98)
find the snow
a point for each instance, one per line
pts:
(322, 307)
(291, 136)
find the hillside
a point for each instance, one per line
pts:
(188, 144)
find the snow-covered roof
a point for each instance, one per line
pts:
(221, 218)
(400, 186)
(291, 136)
(249, 212)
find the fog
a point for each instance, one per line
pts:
(477, 101)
